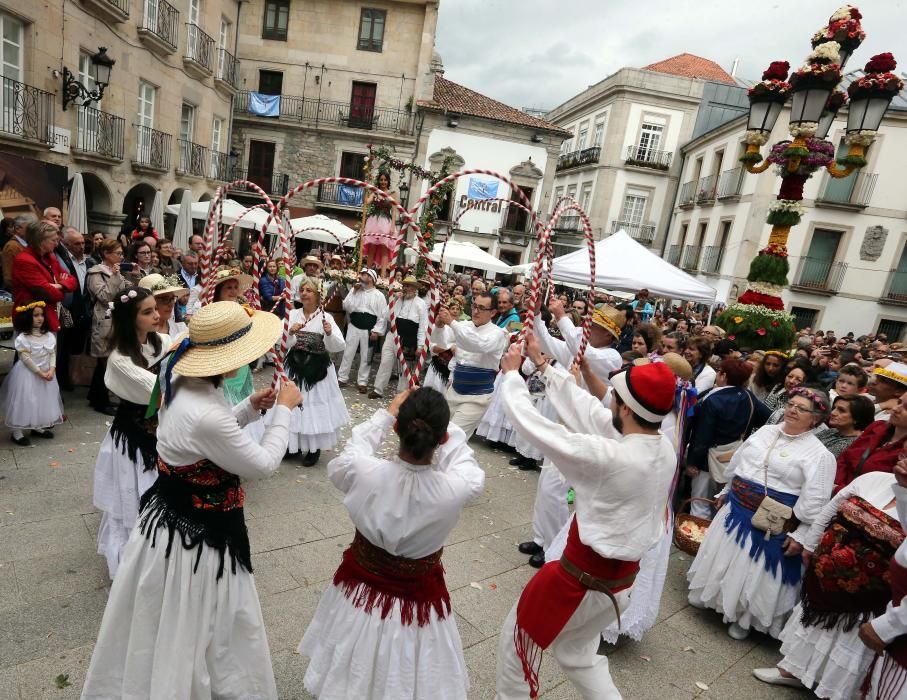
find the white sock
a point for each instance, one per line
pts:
(18, 434)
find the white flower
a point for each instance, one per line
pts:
(755, 138)
(827, 51)
(842, 12)
(133, 294)
(804, 129)
(788, 205)
(860, 138)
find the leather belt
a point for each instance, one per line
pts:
(598, 584)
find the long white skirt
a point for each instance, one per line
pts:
(316, 426)
(170, 633)
(544, 407)
(118, 486)
(724, 578)
(27, 401)
(835, 662)
(494, 424)
(358, 655)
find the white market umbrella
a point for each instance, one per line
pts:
(77, 216)
(304, 227)
(466, 255)
(230, 212)
(183, 230)
(157, 213)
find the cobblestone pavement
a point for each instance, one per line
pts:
(53, 586)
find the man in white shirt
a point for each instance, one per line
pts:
(411, 314)
(365, 307)
(479, 346)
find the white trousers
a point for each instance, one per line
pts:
(466, 410)
(356, 341)
(551, 512)
(386, 366)
(575, 649)
(702, 486)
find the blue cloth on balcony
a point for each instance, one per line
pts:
(264, 105)
(349, 195)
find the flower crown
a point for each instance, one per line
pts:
(29, 307)
(125, 298)
(820, 403)
(166, 283)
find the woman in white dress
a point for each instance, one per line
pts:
(167, 291)
(741, 571)
(385, 629)
(127, 460)
(827, 654)
(437, 376)
(183, 618)
(317, 425)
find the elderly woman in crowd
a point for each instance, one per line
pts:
(167, 261)
(37, 273)
(748, 566)
(769, 373)
(850, 415)
(646, 340)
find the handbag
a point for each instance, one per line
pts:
(65, 316)
(720, 455)
(771, 516)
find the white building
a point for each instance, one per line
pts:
(848, 263)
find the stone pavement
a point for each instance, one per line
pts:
(53, 586)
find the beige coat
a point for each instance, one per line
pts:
(102, 289)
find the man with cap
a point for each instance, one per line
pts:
(411, 313)
(887, 385)
(621, 468)
(366, 308)
(311, 268)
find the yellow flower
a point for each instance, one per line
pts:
(738, 319)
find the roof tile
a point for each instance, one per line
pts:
(689, 66)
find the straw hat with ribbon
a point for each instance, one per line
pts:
(159, 285)
(609, 318)
(410, 280)
(225, 274)
(311, 260)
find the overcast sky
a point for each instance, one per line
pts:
(538, 53)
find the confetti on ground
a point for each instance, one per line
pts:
(493, 586)
(54, 464)
(701, 685)
(689, 649)
(70, 450)
(477, 586)
(645, 658)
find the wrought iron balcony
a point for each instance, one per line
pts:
(340, 195)
(568, 224)
(731, 183)
(674, 254)
(643, 233)
(227, 69)
(271, 183)
(895, 288)
(116, 10)
(26, 112)
(819, 275)
(331, 114)
(99, 134)
(193, 158)
(687, 194)
(648, 157)
(219, 167)
(160, 25)
(706, 190)
(576, 158)
(199, 56)
(855, 194)
(152, 149)
(691, 258)
(711, 259)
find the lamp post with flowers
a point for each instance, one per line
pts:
(758, 317)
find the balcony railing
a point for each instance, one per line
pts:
(152, 148)
(577, 158)
(26, 111)
(272, 183)
(858, 194)
(896, 288)
(219, 167)
(227, 68)
(568, 224)
(325, 113)
(687, 194)
(705, 189)
(644, 233)
(199, 47)
(711, 259)
(117, 10)
(819, 275)
(193, 158)
(648, 157)
(691, 257)
(121, 5)
(731, 183)
(162, 20)
(674, 254)
(340, 194)
(100, 133)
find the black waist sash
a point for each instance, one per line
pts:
(135, 434)
(408, 332)
(308, 360)
(363, 320)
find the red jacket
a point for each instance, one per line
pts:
(878, 457)
(32, 280)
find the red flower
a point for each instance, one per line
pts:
(844, 557)
(775, 324)
(881, 63)
(732, 337)
(760, 331)
(855, 14)
(777, 70)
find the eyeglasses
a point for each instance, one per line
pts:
(476, 307)
(167, 298)
(797, 408)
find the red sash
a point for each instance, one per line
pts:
(552, 596)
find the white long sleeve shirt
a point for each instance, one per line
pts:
(603, 361)
(893, 623)
(200, 424)
(478, 346)
(621, 482)
(414, 309)
(406, 509)
(129, 381)
(334, 342)
(369, 301)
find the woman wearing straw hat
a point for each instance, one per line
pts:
(309, 365)
(166, 291)
(125, 467)
(183, 618)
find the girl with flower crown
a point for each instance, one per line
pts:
(126, 464)
(30, 397)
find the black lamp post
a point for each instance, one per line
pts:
(75, 92)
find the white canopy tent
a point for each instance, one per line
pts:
(157, 213)
(302, 227)
(230, 213)
(465, 254)
(77, 214)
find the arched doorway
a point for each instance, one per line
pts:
(176, 196)
(137, 202)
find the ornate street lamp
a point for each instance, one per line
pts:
(74, 91)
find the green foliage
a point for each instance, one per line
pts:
(780, 217)
(752, 158)
(758, 327)
(855, 161)
(769, 268)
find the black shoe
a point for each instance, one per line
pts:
(46, 434)
(517, 461)
(22, 441)
(537, 561)
(506, 448)
(106, 410)
(530, 548)
(311, 458)
(529, 465)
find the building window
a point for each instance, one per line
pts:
(649, 140)
(581, 138)
(261, 164)
(11, 40)
(558, 193)
(566, 146)
(371, 29)
(804, 318)
(633, 209)
(598, 133)
(893, 330)
(187, 122)
(816, 265)
(352, 165)
(270, 82)
(277, 19)
(362, 105)
(571, 191)
(585, 196)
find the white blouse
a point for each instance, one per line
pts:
(40, 349)
(129, 381)
(406, 509)
(370, 301)
(478, 346)
(333, 342)
(893, 623)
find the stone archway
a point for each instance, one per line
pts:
(176, 196)
(99, 204)
(138, 201)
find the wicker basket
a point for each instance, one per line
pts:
(682, 541)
